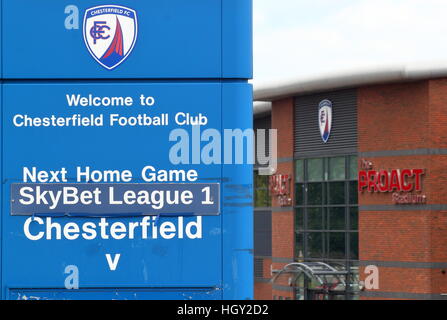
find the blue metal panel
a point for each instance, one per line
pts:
(237, 33)
(175, 39)
(153, 262)
(111, 294)
(1, 41)
(237, 196)
(1, 191)
(144, 262)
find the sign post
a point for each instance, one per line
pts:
(115, 121)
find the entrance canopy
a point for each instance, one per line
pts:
(325, 275)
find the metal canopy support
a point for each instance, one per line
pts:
(313, 270)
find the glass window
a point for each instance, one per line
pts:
(327, 213)
(337, 218)
(299, 219)
(353, 193)
(353, 168)
(337, 245)
(336, 192)
(299, 194)
(299, 171)
(337, 170)
(315, 193)
(315, 245)
(299, 246)
(315, 170)
(262, 198)
(354, 218)
(261, 181)
(354, 246)
(315, 218)
(261, 193)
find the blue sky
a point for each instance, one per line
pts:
(294, 38)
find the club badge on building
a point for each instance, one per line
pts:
(110, 33)
(325, 119)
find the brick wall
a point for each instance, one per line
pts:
(407, 242)
(283, 121)
(282, 218)
(393, 117)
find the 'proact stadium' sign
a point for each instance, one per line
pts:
(404, 184)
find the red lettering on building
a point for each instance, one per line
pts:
(280, 187)
(399, 182)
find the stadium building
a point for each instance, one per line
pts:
(357, 208)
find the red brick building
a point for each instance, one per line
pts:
(367, 216)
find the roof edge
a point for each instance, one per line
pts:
(349, 79)
(262, 108)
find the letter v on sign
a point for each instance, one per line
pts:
(113, 263)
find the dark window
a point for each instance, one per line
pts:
(299, 219)
(315, 193)
(326, 212)
(299, 194)
(262, 218)
(337, 218)
(299, 245)
(262, 233)
(314, 244)
(354, 245)
(337, 245)
(353, 218)
(315, 218)
(353, 194)
(336, 193)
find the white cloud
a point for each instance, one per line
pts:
(301, 37)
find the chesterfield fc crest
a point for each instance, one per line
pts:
(325, 119)
(110, 33)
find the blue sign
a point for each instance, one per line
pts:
(114, 183)
(196, 39)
